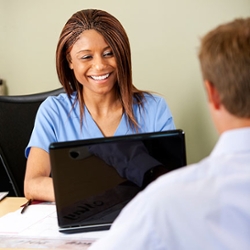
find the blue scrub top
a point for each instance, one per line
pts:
(56, 121)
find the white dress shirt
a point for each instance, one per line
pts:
(201, 206)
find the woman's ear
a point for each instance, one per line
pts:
(212, 94)
(68, 57)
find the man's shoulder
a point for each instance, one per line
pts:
(183, 176)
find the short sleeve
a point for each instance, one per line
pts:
(45, 127)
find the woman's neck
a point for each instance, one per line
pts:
(103, 105)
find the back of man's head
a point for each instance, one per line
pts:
(225, 62)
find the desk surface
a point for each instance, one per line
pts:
(79, 241)
(11, 204)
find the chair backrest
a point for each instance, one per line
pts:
(17, 116)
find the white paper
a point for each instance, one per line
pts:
(3, 194)
(38, 225)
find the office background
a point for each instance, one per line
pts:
(164, 37)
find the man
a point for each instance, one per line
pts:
(205, 205)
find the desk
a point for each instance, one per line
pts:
(41, 232)
(11, 204)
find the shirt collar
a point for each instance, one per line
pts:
(231, 141)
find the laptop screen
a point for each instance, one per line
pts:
(95, 178)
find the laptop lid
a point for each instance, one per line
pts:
(89, 189)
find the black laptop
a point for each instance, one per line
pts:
(89, 189)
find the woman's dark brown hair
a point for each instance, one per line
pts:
(115, 36)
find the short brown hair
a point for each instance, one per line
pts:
(225, 61)
(115, 35)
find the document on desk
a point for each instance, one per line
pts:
(38, 227)
(3, 195)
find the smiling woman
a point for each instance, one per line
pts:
(93, 62)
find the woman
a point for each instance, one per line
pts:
(93, 62)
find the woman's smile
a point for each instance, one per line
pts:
(100, 77)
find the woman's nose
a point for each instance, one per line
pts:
(99, 63)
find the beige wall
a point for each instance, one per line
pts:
(164, 38)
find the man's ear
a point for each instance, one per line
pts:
(212, 94)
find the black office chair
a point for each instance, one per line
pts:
(17, 115)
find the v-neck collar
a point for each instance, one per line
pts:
(91, 125)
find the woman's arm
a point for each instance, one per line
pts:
(38, 184)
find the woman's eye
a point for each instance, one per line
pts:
(86, 57)
(108, 53)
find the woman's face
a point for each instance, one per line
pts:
(93, 63)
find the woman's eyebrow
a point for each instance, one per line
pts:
(83, 50)
(88, 50)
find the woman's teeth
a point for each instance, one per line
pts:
(100, 77)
